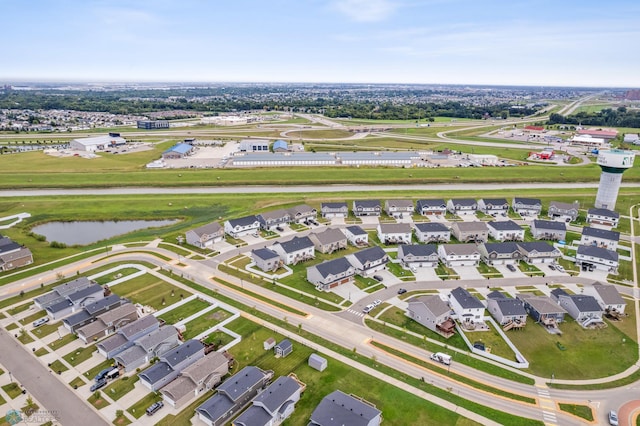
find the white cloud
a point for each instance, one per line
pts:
(365, 10)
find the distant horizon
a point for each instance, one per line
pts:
(17, 82)
(534, 43)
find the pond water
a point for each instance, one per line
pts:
(82, 233)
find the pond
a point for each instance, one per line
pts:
(82, 233)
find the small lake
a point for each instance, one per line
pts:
(83, 233)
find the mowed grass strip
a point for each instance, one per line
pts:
(140, 407)
(65, 340)
(121, 387)
(204, 322)
(184, 311)
(150, 290)
(458, 377)
(33, 317)
(79, 355)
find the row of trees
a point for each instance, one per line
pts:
(620, 117)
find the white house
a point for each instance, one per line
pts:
(418, 255)
(398, 208)
(493, 206)
(331, 210)
(526, 206)
(205, 236)
(368, 261)
(356, 236)
(330, 274)
(436, 207)
(505, 230)
(468, 308)
(243, 226)
(593, 257)
(600, 238)
(394, 233)
(608, 297)
(297, 249)
(462, 206)
(459, 254)
(432, 232)
(603, 217)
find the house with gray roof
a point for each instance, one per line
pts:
(367, 208)
(508, 312)
(171, 364)
(356, 235)
(548, 230)
(302, 213)
(331, 210)
(242, 226)
(542, 309)
(469, 309)
(331, 273)
(329, 240)
(147, 347)
(398, 209)
(500, 253)
(272, 219)
(465, 232)
(295, 250)
(493, 206)
(462, 206)
(603, 217)
(201, 376)
(13, 255)
(432, 312)
(593, 257)
(75, 301)
(340, 409)
(205, 236)
(582, 307)
(435, 207)
(273, 405)
(266, 259)
(538, 252)
(233, 395)
(368, 261)
(90, 312)
(453, 255)
(107, 323)
(608, 298)
(394, 233)
(567, 212)
(125, 336)
(418, 255)
(432, 232)
(59, 292)
(526, 206)
(600, 238)
(505, 230)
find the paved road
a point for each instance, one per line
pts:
(56, 397)
(298, 189)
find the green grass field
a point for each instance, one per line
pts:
(79, 355)
(150, 291)
(595, 348)
(184, 311)
(121, 387)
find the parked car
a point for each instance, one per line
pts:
(39, 322)
(103, 374)
(368, 309)
(98, 385)
(154, 407)
(511, 267)
(613, 418)
(378, 278)
(560, 268)
(402, 290)
(377, 302)
(279, 229)
(553, 268)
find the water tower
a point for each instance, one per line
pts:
(613, 163)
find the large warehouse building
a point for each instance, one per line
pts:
(98, 143)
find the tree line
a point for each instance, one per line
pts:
(619, 117)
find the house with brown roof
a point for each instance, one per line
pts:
(398, 209)
(459, 254)
(329, 240)
(205, 236)
(470, 231)
(394, 233)
(433, 313)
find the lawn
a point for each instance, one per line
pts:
(79, 355)
(204, 322)
(31, 318)
(494, 343)
(583, 411)
(46, 329)
(58, 343)
(77, 382)
(595, 348)
(93, 372)
(218, 339)
(12, 389)
(42, 351)
(57, 366)
(151, 291)
(24, 337)
(97, 400)
(139, 408)
(399, 407)
(184, 311)
(120, 273)
(20, 308)
(121, 387)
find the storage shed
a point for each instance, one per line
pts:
(283, 348)
(317, 362)
(269, 343)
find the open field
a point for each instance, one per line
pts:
(184, 311)
(150, 291)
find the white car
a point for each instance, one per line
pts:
(560, 268)
(377, 302)
(39, 322)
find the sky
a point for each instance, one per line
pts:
(497, 42)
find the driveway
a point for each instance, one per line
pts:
(350, 292)
(388, 278)
(250, 239)
(507, 273)
(369, 220)
(468, 273)
(426, 274)
(596, 275)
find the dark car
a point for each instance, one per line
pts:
(279, 229)
(154, 407)
(103, 373)
(553, 268)
(511, 268)
(377, 278)
(98, 384)
(402, 290)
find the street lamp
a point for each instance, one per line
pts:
(10, 377)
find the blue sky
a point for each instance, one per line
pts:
(536, 42)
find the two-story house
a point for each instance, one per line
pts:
(331, 210)
(462, 206)
(548, 230)
(368, 261)
(508, 312)
(331, 273)
(398, 208)
(506, 253)
(237, 228)
(469, 309)
(418, 255)
(367, 208)
(453, 255)
(603, 217)
(435, 207)
(433, 313)
(274, 405)
(432, 232)
(205, 236)
(600, 238)
(302, 214)
(394, 233)
(297, 249)
(594, 257)
(567, 212)
(265, 259)
(505, 230)
(171, 364)
(470, 231)
(329, 240)
(538, 252)
(526, 206)
(356, 236)
(494, 206)
(273, 219)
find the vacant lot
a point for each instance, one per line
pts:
(151, 291)
(184, 311)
